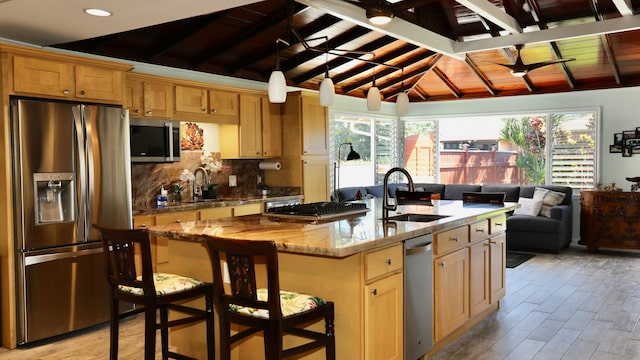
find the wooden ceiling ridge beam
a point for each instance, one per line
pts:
(313, 27)
(424, 55)
(269, 21)
(317, 50)
(419, 75)
(341, 60)
(357, 70)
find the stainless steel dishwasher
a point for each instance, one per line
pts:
(418, 297)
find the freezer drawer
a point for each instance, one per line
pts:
(62, 292)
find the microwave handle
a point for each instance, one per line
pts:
(169, 144)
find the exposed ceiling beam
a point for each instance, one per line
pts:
(492, 13)
(568, 32)
(624, 7)
(398, 28)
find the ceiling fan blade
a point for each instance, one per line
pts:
(538, 65)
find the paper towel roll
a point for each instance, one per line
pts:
(269, 165)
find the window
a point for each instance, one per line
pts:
(528, 148)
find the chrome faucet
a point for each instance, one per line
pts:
(197, 189)
(385, 196)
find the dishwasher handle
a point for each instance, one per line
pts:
(417, 249)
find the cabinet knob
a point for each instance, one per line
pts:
(137, 111)
(65, 91)
(143, 226)
(82, 92)
(178, 221)
(492, 242)
(204, 110)
(442, 264)
(149, 112)
(213, 111)
(388, 262)
(453, 239)
(498, 224)
(374, 292)
(480, 230)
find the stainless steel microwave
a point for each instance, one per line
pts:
(154, 140)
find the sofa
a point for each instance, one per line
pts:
(548, 232)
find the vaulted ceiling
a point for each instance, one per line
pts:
(433, 49)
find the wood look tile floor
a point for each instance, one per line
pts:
(572, 305)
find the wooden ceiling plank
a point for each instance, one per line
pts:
(492, 13)
(445, 80)
(425, 54)
(314, 27)
(341, 60)
(357, 70)
(269, 21)
(481, 76)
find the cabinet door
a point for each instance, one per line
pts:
(271, 128)
(315, 127)
(191, 99)
(250, 126)
(44, 77)
(479, 280)
(162, 243)
(383, 318)
(134, 97)
(158, 99)
(451, 292)
(93, 82)
(498, 261)
(315, 175)
(223, 103)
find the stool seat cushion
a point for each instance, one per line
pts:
(291, 303)
(166, 284)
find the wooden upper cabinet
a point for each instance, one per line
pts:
(223, 103)
(149, 98)
(271, 128)
(99, 83)
(250, 126)
(63, 79)
(191, 99)
(315, 126)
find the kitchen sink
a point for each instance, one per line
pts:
(416, 217)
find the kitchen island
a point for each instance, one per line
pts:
(357, 262)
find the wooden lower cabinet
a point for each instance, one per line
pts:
(451, 292)
(469, 275)
(383, 318)
(609, 219)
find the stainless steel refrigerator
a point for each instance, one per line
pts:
(71, 170)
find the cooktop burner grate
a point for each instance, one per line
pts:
(318, 209)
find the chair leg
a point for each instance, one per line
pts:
(164, 332)
(211, 349)
(273, 341)
(149, 333)
(330, 346)
(114, 329)
(225, 338)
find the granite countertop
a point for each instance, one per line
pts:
(202, 204)
(340, 237)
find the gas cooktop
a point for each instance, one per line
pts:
(317, 210)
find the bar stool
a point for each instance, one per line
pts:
(271, 310)
(152, 291)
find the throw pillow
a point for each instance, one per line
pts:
(549, 199)
(528, 206)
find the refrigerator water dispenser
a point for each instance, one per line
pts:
(55, 197)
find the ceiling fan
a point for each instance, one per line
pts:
(519, 68)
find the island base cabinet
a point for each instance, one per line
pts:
(383, 318)
(451, 292)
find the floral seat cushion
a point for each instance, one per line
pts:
(291, 303)
(166, 284)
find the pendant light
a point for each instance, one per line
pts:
(402, 100)
(277, 83)
(327, 90)
(373, 96)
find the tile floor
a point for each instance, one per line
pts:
(574, 305)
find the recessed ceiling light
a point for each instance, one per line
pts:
(97, 12)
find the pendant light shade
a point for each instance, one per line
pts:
(373, 98)
(402, 103)
(277, 87)
(327, 91)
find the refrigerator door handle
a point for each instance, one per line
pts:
(90, 167)
(39, 259)
(81, 228)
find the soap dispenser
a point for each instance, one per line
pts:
(163, 200)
